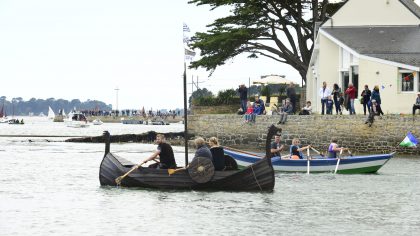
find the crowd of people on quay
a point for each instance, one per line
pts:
(333, 100)
(132, 112)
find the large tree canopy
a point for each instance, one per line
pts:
(282, 30)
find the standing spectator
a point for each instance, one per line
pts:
(366, 99)
(417, 104)
(291, 94)
(330, 104)
(351, 92)
(336, 96)
(324, 92)
(243, 95)
(377, 97)
(341, 101)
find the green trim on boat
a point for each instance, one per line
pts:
(370, 169)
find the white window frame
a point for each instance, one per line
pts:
(416, 87)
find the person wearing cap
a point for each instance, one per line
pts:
(417, 104)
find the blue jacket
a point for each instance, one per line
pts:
(375, 95)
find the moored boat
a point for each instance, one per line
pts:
(317, 164)
(77, 120)
(97, 122)
(258, 176)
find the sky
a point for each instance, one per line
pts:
(86, 49)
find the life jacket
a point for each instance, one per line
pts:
(300, 153)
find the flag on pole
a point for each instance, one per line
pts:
(185, 28)
(189, 52)
(409, 141)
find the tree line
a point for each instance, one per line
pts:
(18, 106)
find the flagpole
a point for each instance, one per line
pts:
(185, 114)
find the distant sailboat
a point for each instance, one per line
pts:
(51, 114)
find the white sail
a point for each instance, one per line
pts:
(51, 114)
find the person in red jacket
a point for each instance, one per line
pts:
(351, 92)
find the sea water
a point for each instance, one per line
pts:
(50, 187)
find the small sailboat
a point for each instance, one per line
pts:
(51, 113)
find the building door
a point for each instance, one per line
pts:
(355, 77)
(345, 79)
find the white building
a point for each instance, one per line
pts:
(374, 42)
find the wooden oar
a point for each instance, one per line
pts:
(313, 149)
(119, 179)
(173, 171)
(308, 153)
(244, 152)
(338, 161)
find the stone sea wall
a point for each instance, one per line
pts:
(383, 137)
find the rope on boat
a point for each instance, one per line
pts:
(255, 177)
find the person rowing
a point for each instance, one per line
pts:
(296, 150)
(334, 148)
(276, 147)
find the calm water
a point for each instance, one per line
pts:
(52, 188)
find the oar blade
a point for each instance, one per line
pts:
(171, 171)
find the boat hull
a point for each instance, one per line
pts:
(347, 165)
(257, 177)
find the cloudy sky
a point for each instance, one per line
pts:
(86, 49)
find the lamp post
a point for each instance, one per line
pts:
(116, 104)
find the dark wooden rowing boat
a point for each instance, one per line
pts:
(256, 177)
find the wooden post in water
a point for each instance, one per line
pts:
(185, 114)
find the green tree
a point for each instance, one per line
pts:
(282, 30)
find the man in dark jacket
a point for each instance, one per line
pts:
(417, 104)
(243, 95)
(366, 99)
(291, 94)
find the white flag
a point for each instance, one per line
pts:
(189, 52)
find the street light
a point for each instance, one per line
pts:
(116, 104)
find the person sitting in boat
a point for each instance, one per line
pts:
(333, 149)
(217, 153)
(276, 147)
(202, 149)
(165, 153)
(296, 150)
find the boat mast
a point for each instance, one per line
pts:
(185, 114)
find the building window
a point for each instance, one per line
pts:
(407, 82)
(345, 80)
(355, 77)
